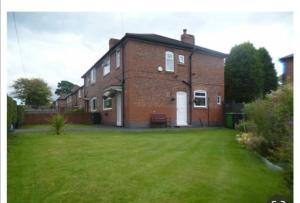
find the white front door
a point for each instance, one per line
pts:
(119, 108)
(181, 108)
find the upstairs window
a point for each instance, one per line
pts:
(118, 58)
(106, 66)
(169, 61)
(93, 76)
(219, 100)
(87, 80)
(200, 99)
(79, 93)
(181, 59)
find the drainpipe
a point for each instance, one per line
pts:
(190, 87)
(123, 85)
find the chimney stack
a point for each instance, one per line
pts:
(187, 38)
(113, 42)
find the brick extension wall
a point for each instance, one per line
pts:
(45, 118)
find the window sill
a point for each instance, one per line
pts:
(108, 109)
(200, 107)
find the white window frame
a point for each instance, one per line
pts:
(169, 58)
(106, 66)
(219, 100)
(79, 93)
(205, 97)
(118, 58)
(91, 104)
(93, 76)
(106, 109)
(181, 59)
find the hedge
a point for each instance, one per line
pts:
(15, 113)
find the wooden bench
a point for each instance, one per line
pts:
(158, 119)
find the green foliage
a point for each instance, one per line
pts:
(58, 123)
(273, 119)
(79, 110)
(249, 73)
(34, 92)
(20, 115)
(270, 80)
(64, 87)
(11, 112)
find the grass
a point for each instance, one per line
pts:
(197, 165)
(48, 126)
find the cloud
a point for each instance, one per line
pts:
(59, 46)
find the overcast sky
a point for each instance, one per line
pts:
(62, 46)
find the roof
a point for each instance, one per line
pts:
(286, 57)
(73, 90)
(163, 40)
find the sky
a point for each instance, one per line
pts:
(63, 46)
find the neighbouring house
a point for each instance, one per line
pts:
(71, 101)
(61, 103)
(288, 68)
(146, 74)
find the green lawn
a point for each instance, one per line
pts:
(48, 126)
(193, 165)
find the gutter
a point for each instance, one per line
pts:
(190, 87)
(123, 83)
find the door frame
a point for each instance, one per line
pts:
(119, 117)
(178, 94)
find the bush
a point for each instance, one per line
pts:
(58, 123)
(268, 128)
(251, 141)
(246, 126)
(20, 115)
(79, 110)
(11, 112)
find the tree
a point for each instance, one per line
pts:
(269, 73)
(64, 87)
(34, 92)
(243, 74)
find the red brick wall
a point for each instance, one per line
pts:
(289, 70)
(103, 82)
(149, 91)
(45, 118)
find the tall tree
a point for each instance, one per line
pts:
(64, 87)
(269, 73)
(243, 74)
(35, 92)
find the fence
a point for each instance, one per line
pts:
(45, 118)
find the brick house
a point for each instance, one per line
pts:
(144, 74)
(71, 101)
(288, 68)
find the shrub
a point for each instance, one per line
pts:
(251, 141)
(58, 123)
(79, 110)
(11, 112)
(20, 115)
(246, 126)
(268, 128)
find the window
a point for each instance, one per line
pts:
(118, 58)
(87, 81)
(200, 98)
(169, 61)
(219, 100)
(107, 103)
(106, 66)
(93, 104)
(79, 93)
(181, 59)
(93, 76)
